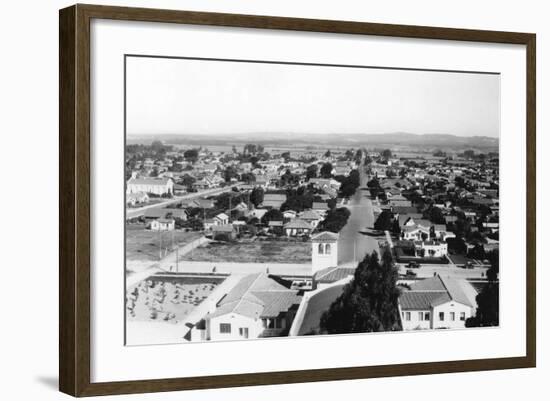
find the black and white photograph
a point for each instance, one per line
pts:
(273, 199)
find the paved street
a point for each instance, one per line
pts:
(352, 245)
(446, 270)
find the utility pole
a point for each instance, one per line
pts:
(177, 258)
(160, 244)
(230, 196)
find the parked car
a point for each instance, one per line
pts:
(414, 265)
(410, 273)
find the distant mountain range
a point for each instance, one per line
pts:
(280, 139)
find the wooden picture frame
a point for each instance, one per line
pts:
(74, 199)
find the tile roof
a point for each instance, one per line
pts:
(257, 295)
(405, 209)
(320, 205)
(429, 293)
(297, 223)
(310, 215)
(429, 284)
(275, 197)
(325, 236)
(318, 304)
(422, 300)
(332, 274)
(455, 291)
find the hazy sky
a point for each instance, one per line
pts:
(177, 96)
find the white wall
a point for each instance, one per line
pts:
(236, 321)
(415, 323)
(447, 308)
(28, 82)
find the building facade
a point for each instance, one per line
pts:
(324, 251)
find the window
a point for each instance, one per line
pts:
(327, 249)
(462, 316)
(453, 316)
(408, 316)
(426, 315)
(225, 328)
(441, 316)
(420, 316)
(321, 249)
(243, 332)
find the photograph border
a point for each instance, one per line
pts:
(74, 199)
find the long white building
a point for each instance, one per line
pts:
(150, 185)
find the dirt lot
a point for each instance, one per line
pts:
(144, 245)
(170, 300)
(253, 252)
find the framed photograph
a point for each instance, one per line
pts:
(249, 200)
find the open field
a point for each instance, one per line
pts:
(253, 252)
(144, 245)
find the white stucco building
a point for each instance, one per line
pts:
(257, 306)
(163, 225)
(437, 303)
(324, 251)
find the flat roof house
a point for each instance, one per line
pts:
(274, 201)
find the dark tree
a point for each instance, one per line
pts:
(488, 299)
(187, 180)
(435, 215)
(386, 153)
(469, 154)
(311, 171)
(477, 252)
(289, 179)
(229, 173)
(335, 220)
(272, 215)
(384, 221)
(327, 153)
(349, 184)
(298, 199)
(248, 177)
(369, 302)
(257, 196)
(250, 149)
(191, 155)
(227, 200)
(395, 229)
(326, 170)
(157, 146)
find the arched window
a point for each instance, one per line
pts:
(327, 249)
(321, 249)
